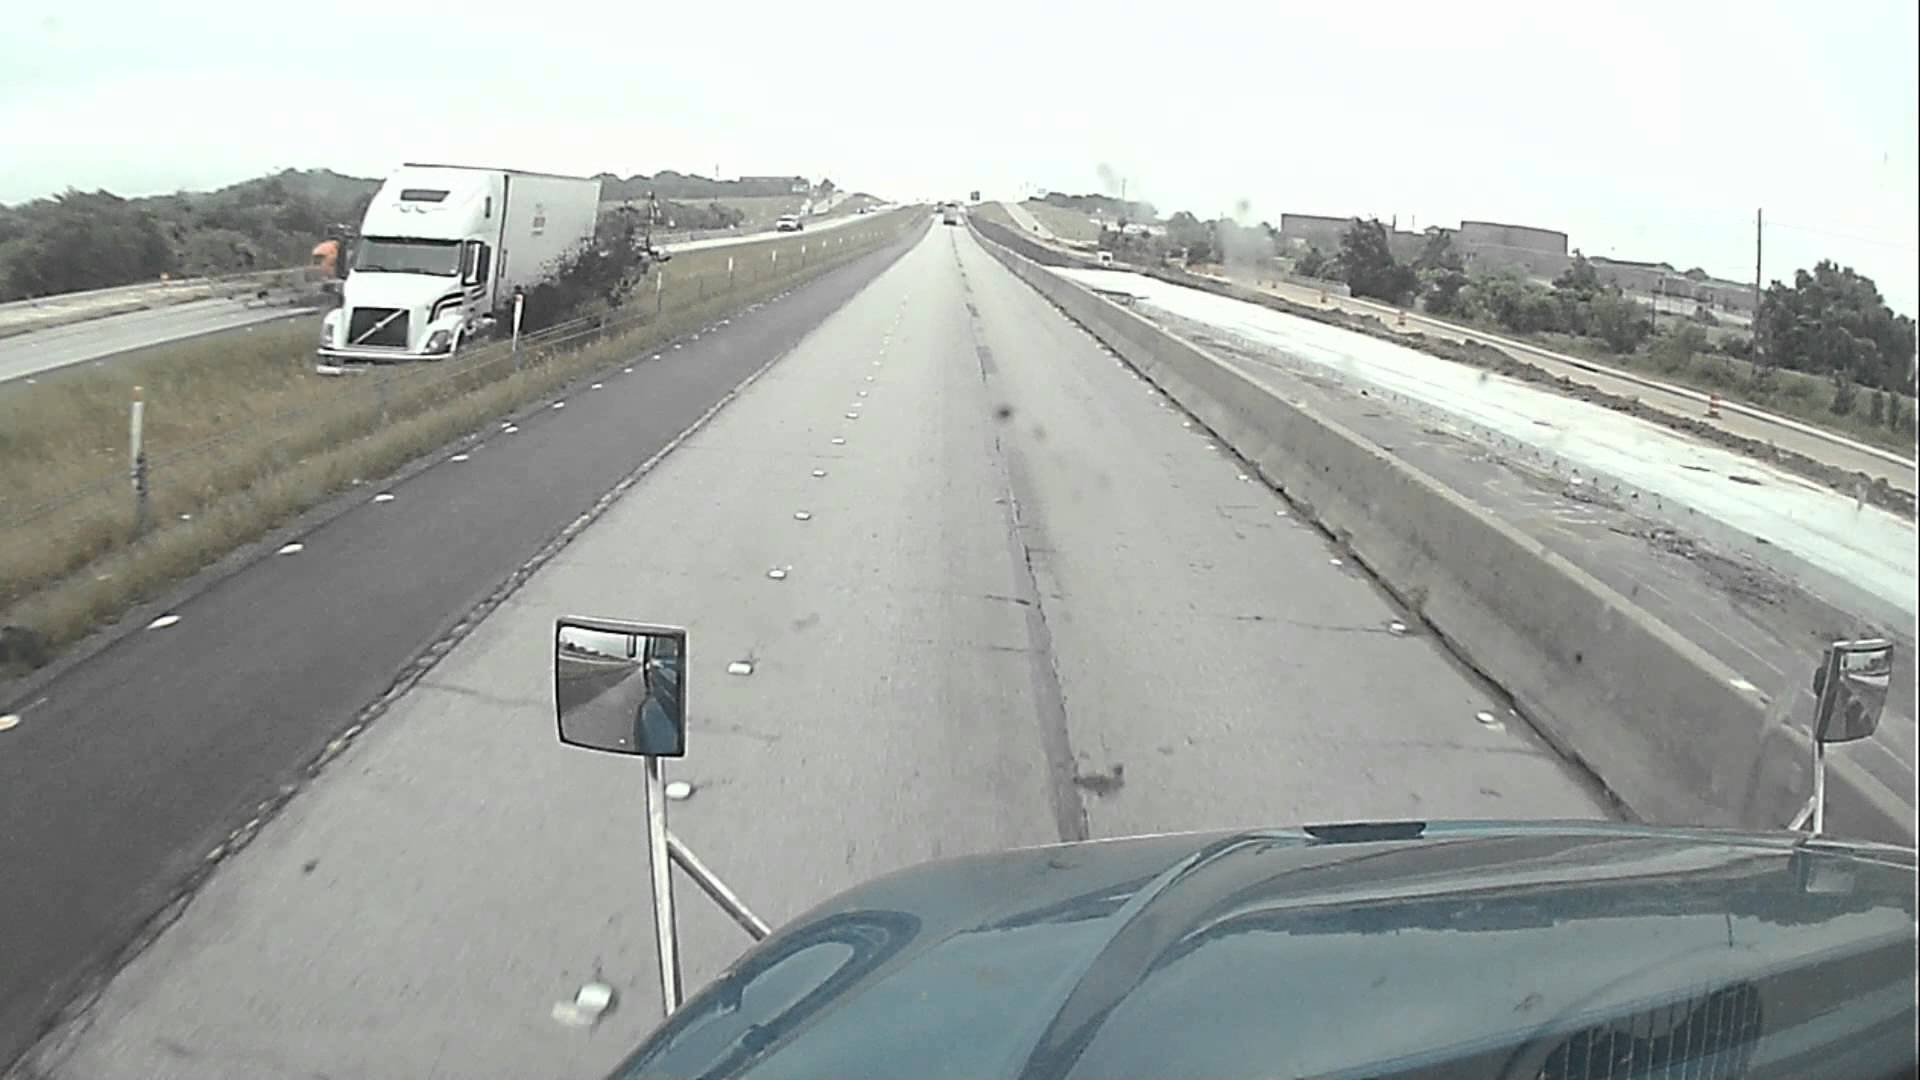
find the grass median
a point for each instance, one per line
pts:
(242, 435)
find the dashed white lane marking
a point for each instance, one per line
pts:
(163, 622)
(294, 548)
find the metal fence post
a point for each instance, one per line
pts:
(137, 461)
(519, 303)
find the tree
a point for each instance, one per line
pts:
(1367, 264)
(79, 240)
(1580, 279)
(1619, 322)
(1674, 351)
(1312, 263)
(1438, 254)
(1844, 392)
(1441, 290)
(1833, 321)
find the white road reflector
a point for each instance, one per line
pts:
(869, 378)
(1335, 562)
(839, 440)
(819, 472)
(1739, 683)
(626, 371)
(597, 386)
(559, 404)
(853, 416)
(458, 457)
(862, 393)
(9, 721)
(294, 548)
(740, 667)
(777, 574)
(163, 622)
(1487, 719)
(1396, 627)
(802, 515)
(679, 790)
(385, 496)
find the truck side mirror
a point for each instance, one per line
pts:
(618, 686)
(1850, 687)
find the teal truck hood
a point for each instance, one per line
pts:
(1458, 949)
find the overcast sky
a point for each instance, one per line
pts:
(1648, 131)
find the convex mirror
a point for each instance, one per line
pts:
(618, 686)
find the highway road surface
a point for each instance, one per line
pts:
(39, 351)
(990, 590)
(812, 226)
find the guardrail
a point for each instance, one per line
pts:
(1677, 736)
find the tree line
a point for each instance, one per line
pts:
(1831, 321)
(80, 240)
(94, 239)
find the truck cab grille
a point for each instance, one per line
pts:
(391, 335)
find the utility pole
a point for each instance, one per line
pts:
(1757, 223)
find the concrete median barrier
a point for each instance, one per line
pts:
(1677, 736)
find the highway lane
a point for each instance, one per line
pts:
(812, 226)
(40, 351)
(1018, 599)
(125, 772)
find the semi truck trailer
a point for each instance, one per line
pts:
(441, 252)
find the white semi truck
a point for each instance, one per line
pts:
(443, 250)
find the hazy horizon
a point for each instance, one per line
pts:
(1644, 132)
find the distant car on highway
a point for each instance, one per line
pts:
(788, 223)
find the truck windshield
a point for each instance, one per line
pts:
(395, 255)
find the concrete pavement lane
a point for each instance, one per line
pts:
(813, 226)
(41, 351)
(126, 771)
(1018, 601)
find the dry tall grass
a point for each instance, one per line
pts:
(242, 435)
